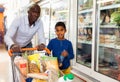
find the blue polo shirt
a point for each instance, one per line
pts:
(57, 47)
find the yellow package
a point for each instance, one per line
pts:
(34, 58)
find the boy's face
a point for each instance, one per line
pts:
(60, 32)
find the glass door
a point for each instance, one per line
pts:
(45, 17)
(59, 12)
(109, 38)
(84, 32)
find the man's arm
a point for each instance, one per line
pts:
(11, 33)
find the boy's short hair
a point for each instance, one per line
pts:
(60, 24)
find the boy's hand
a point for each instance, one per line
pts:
(60, 64)
(41, 47)
(64, 53)
(15, 48)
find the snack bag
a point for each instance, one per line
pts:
(33, 68)
(23, 66)
(33, 65)
(34, 58)
(21, 63)
(50, 62)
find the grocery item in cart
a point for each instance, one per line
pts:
(23, 66)
(21, 63)
(52, 75)
(34, 58)
(50, 62)
(34, 63)
(33, 68)
(42, 76)
(42, 66)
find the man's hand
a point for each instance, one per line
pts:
(15, 48)
(41, 47)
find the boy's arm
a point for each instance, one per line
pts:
(70, 52)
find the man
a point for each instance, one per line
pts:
(23, 28)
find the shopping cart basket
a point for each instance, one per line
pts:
(15, 69)
(17, 75)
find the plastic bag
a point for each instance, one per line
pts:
(20, 69)
(50, 62)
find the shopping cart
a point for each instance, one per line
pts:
(17, 75)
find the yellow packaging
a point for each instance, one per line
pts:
(35, 58)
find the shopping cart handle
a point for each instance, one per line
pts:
(30, 49)
(48, 51)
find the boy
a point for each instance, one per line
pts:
(61, 48)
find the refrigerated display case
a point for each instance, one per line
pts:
(98, 39)
(45, 17)
(109, 39)
(59, 12)
(84, 32)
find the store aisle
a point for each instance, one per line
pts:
(5, 65)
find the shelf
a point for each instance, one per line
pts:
(88, 64)
(62, 11)
(110, 46)
(62, 20)
(85, 11)
(107, 45)
(108, 26)
(117, 47)
(110, 7)
(85, 26)
(85, 42)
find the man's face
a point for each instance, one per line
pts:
(34, 14)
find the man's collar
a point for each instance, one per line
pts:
(27, 21)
